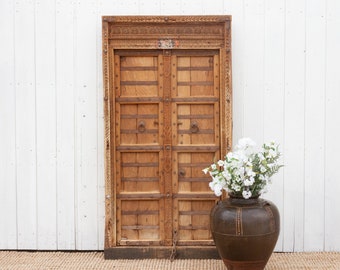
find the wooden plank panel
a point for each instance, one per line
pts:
(189, 167)
(274, 94)
(138, 124)
(128, 7)
(214, 7)
(192, 7)
(193, 125)
(25, 124)
(236, 9)
(65, 133)
(86, 125)
(194, 221)
(254, 67)
(135, 171)
(100, 134)
(314, 125)
(167, 7)
(46, 125)
(8, 228)
(150, 7)
(142, 221)
(195, 75)
(138, 76)
(135, 179)
(294, 126)
(332, 131)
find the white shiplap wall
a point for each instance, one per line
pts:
(286, 86)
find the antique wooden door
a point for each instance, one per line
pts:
(167, 117)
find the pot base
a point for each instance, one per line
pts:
(244, 265)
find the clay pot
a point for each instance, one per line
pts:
(245, 232)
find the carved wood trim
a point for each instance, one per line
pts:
(160, 33)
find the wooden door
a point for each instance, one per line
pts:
(165, 119)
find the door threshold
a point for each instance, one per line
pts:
(161, 252)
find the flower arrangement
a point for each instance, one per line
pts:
(245, 172)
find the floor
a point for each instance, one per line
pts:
(95, 260)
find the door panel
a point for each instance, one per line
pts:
(196, 75)
(167, 106)
(167, 130)
(190, 176)
(193, 221)
(139, 124)
(138, 75)
(196, 124)
(139, 141)
(140, 172)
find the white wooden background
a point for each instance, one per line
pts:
(286, 85)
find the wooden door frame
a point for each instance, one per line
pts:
(160, 32)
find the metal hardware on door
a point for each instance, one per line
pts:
(141, 126)
(194, 127)
(167, 147)
(181, 172)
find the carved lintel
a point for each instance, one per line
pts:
(167, 43)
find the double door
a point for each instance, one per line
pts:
(167, 129)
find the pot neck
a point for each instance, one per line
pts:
(241, 200)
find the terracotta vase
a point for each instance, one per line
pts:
(245, 231)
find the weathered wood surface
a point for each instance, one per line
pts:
(168, 122)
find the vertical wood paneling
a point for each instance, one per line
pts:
(150, 7)
(253, 69)
(273, 103)
(192, 7)
(86, 125)
(285, 87)
(8, 228)
(215, 7)
(100, 134)
(25, 124)
(314, 125)
(235, 8)
(65, 124)
(128, 7)
(169, 8)
(294, 136)
(331, 128)
(46, 124)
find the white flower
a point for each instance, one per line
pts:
(235, 187)
(272, 153)
(230, 155)
(244, 171)
(249, 171)
(220, 163)
(261, 156)
(205, 170)
(226, 175)
(246, 194)
(249, 182)
(217, 188)
(240, 171)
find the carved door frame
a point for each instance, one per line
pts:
(161, 33)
